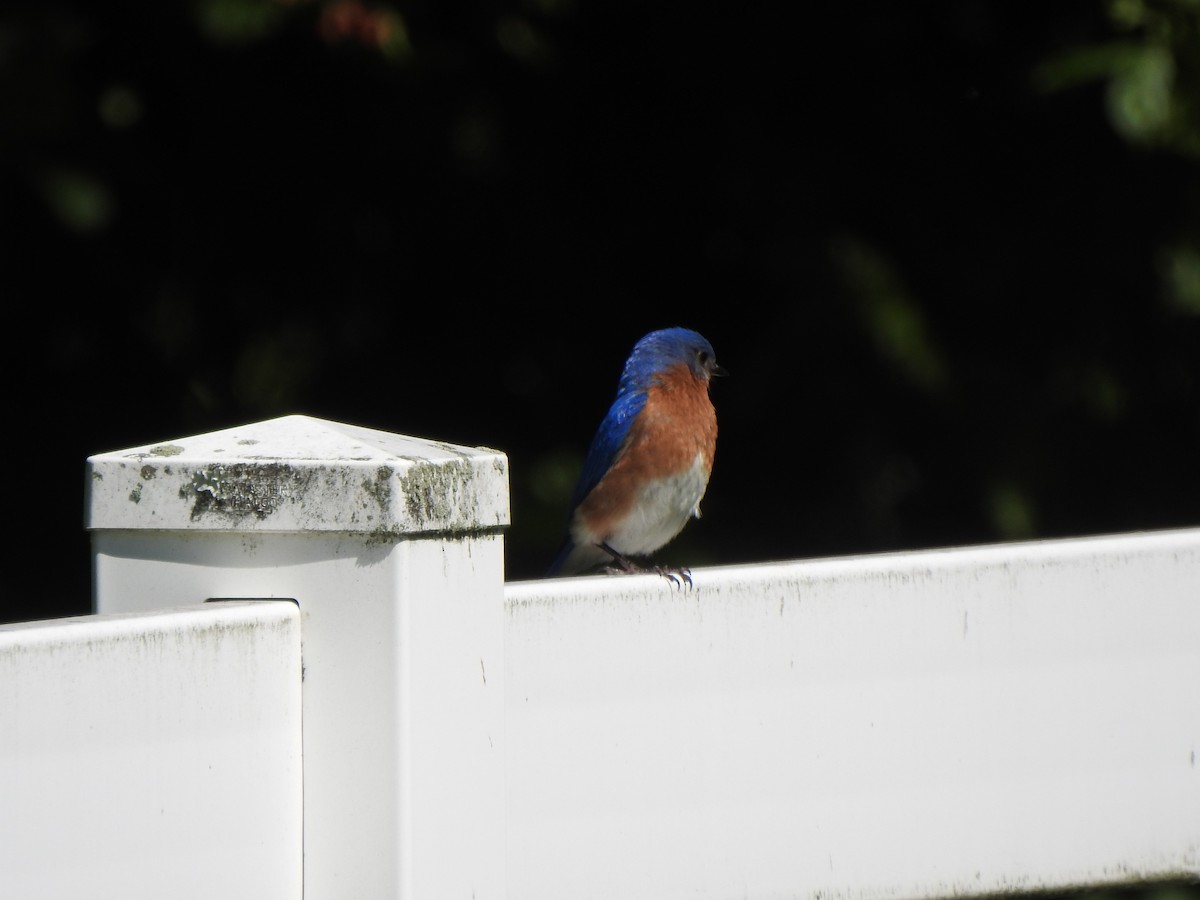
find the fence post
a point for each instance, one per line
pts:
(393, 548)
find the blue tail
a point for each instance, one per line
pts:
(561, 557)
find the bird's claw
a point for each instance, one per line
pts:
(679, 576)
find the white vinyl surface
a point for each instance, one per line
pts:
(152, 755)
(908, 725)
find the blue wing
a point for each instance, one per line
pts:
(610, 436)
(600, 456)
(607, 443)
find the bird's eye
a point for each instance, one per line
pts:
(702, 357)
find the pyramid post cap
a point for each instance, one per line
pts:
(298, 473)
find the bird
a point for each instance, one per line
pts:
(649, 463)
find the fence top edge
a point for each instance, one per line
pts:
(898, 564)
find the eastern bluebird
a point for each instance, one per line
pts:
(648, 465)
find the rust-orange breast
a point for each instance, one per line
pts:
(677, 425)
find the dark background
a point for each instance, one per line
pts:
(949, 252)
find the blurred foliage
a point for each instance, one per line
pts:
(950, 253)
(1151, 72)
(1179, 270)
(238, 21)
(79, 200)
(894, 321)
(378, 27)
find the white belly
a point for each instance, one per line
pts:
(662, 510)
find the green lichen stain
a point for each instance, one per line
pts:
(136, 494)
(500, 466)
(166, 450)
(238, 490)
(431, 493)
(379, 488)
(148, 472)
(383, 537)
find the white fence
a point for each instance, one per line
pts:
(152, 755)
(942, 723)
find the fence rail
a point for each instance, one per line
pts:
(971, 721)
(152, 755)
(934, 724)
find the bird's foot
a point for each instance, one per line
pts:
(679, 576)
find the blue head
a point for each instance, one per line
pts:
(665, 349)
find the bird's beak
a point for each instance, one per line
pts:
(718, 370)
